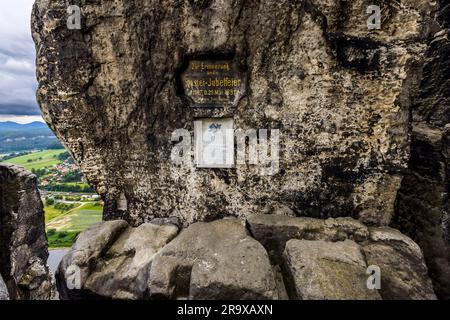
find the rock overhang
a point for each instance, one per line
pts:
(337, 92)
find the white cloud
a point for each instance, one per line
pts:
(20, 119)
(17, 59)
(20, 65)
(16, 17)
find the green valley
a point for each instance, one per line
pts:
(38, 160)
(71, 205)
(63, 226)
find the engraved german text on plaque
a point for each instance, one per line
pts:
(213, 83)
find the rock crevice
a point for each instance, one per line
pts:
(422, 207)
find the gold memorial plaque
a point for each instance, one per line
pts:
(213, 83)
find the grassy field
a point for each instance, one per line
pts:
(63, 227)
(64, 220)
(37, 160)
(61, 239)
(77, 219)
(51, 213)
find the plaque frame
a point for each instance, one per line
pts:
(209, 57)
(200, 129)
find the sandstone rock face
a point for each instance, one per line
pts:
(423, 202)
(4, 295)
(337, 91)
(23, 244)
(221, 260)
(216, 260)
(328, 271)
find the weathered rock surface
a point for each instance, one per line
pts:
(113, 260)
(120, 276)
(273, 231)
(221, 260)
(346, 100)
(216, 260)
(4, 295)
(423, 202)
(404, 275)
(86, 251)
(337, 91)
(323, 270)
(23, 244)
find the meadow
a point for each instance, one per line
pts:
(63, 227)
(38, 160)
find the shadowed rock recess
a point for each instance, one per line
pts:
(423, 202)
(345, 100)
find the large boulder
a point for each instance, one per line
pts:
(112, 260)
(337, 91)
(216, 260)
(123, 272)
(323, 270)
(23, 243)
(404, 274)
(82, 258)
(273, 231)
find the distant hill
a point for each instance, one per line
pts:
(10, 125)
(16, 137)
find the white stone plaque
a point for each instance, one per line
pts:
(214, 143)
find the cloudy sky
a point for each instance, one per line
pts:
(17, 63)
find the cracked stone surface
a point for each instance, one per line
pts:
(404, 275)
(423, 199)
(4, 295)
(273, 231)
